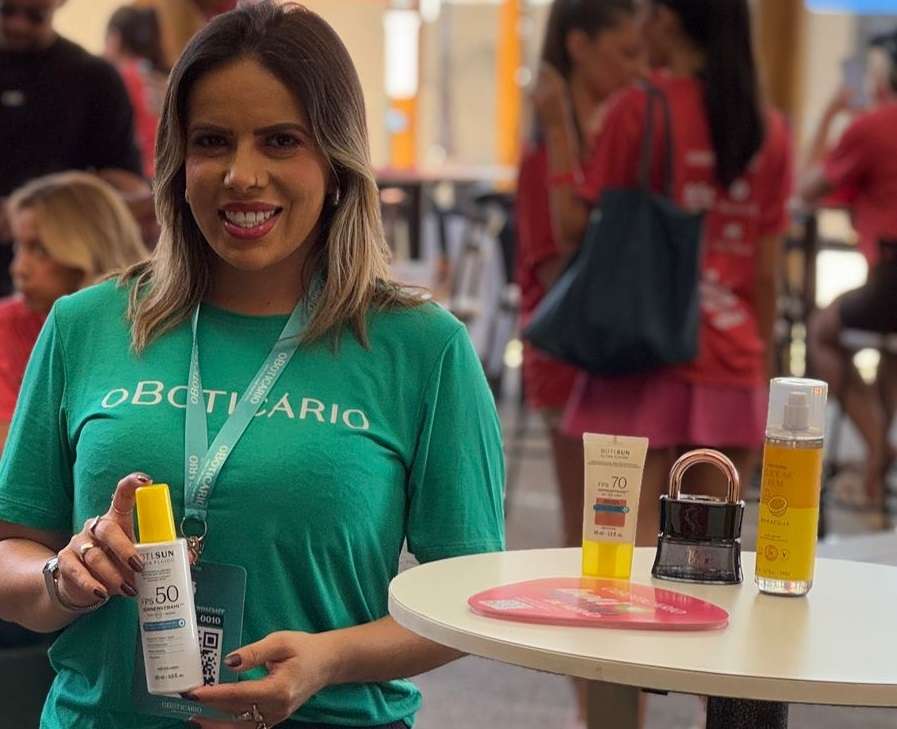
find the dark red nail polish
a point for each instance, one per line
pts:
(233, 660)
(101, 595)
(136, 564)
(142, 477)
(129, 589)
(190, 697)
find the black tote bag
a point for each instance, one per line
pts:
(628, 300)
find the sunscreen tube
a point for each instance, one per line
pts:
(613, 482)
(165, 598)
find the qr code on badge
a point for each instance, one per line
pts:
(210, 652)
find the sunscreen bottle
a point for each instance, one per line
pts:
(613, 482)
(789, 490)
(168, 629)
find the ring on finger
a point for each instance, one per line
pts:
(253, 714)
(94, 523)
(84, 548)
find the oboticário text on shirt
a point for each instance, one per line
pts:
(152, 393)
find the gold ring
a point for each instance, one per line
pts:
(85, 548)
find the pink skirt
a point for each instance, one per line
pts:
(670, 412)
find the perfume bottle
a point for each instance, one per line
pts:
(700, 536)
(789, 490)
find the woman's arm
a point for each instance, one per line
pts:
(301, 664)
(569, 214)
(23, 597)
(820, 143)
(83, 581)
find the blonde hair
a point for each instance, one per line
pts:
(82, 223)
(308, 57)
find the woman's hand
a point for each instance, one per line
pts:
(299, 665)
(841, 101)
(100, 560)
(551, 98)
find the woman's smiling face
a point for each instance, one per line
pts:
(256, 181)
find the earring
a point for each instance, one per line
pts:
(187, 197)
(336, 197)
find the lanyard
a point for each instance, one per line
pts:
(203, 463)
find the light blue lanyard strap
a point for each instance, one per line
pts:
(202, 463)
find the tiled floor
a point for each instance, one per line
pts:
(476, 693)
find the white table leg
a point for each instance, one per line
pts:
(611, 706)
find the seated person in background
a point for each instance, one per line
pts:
(61, 108)
(864, 163)
(69, 229)
(133, 46)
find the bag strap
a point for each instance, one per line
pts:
(656, 96)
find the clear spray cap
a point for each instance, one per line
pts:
(796, 407)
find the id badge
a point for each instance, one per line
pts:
(219, 592)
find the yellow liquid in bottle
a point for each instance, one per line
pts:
(607, 559)
(789, 515)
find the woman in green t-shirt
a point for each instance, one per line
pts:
(369, 426)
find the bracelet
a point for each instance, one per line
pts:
(51, 581)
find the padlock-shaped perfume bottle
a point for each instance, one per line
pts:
(700, 536)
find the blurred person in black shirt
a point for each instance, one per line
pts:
(61, 108)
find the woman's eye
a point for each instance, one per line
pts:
(283, 141)
(208, 141)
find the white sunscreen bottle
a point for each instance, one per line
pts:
(165, 598)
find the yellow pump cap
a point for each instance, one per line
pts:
(155, 518)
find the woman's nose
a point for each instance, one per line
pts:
(245, 171)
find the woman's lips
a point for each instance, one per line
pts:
(249, 224)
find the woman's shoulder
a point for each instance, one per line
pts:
(106, 300)
(427, 322)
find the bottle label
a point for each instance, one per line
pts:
(613, 482)
(789, 512)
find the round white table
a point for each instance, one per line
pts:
(835, 646)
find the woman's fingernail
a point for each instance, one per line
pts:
(190, 697)
(233, 660)
(136, 563)
(129, 589)
(194, 725)
(100, 594)
(142, 477)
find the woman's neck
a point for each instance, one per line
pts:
(686, 60)
(586, 107)
(256, 293)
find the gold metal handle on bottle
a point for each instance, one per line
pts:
(715, 458)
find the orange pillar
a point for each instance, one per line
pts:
(402, 27)
(780, 47)
(510, 95)
(403, 138)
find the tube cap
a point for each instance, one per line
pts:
(155, 518)
(796, 407)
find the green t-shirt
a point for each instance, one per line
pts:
(354, 451)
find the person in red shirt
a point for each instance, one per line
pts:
(862, 169)
(134, 47)
(591, 50)
(731, 159)
(69, 229)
